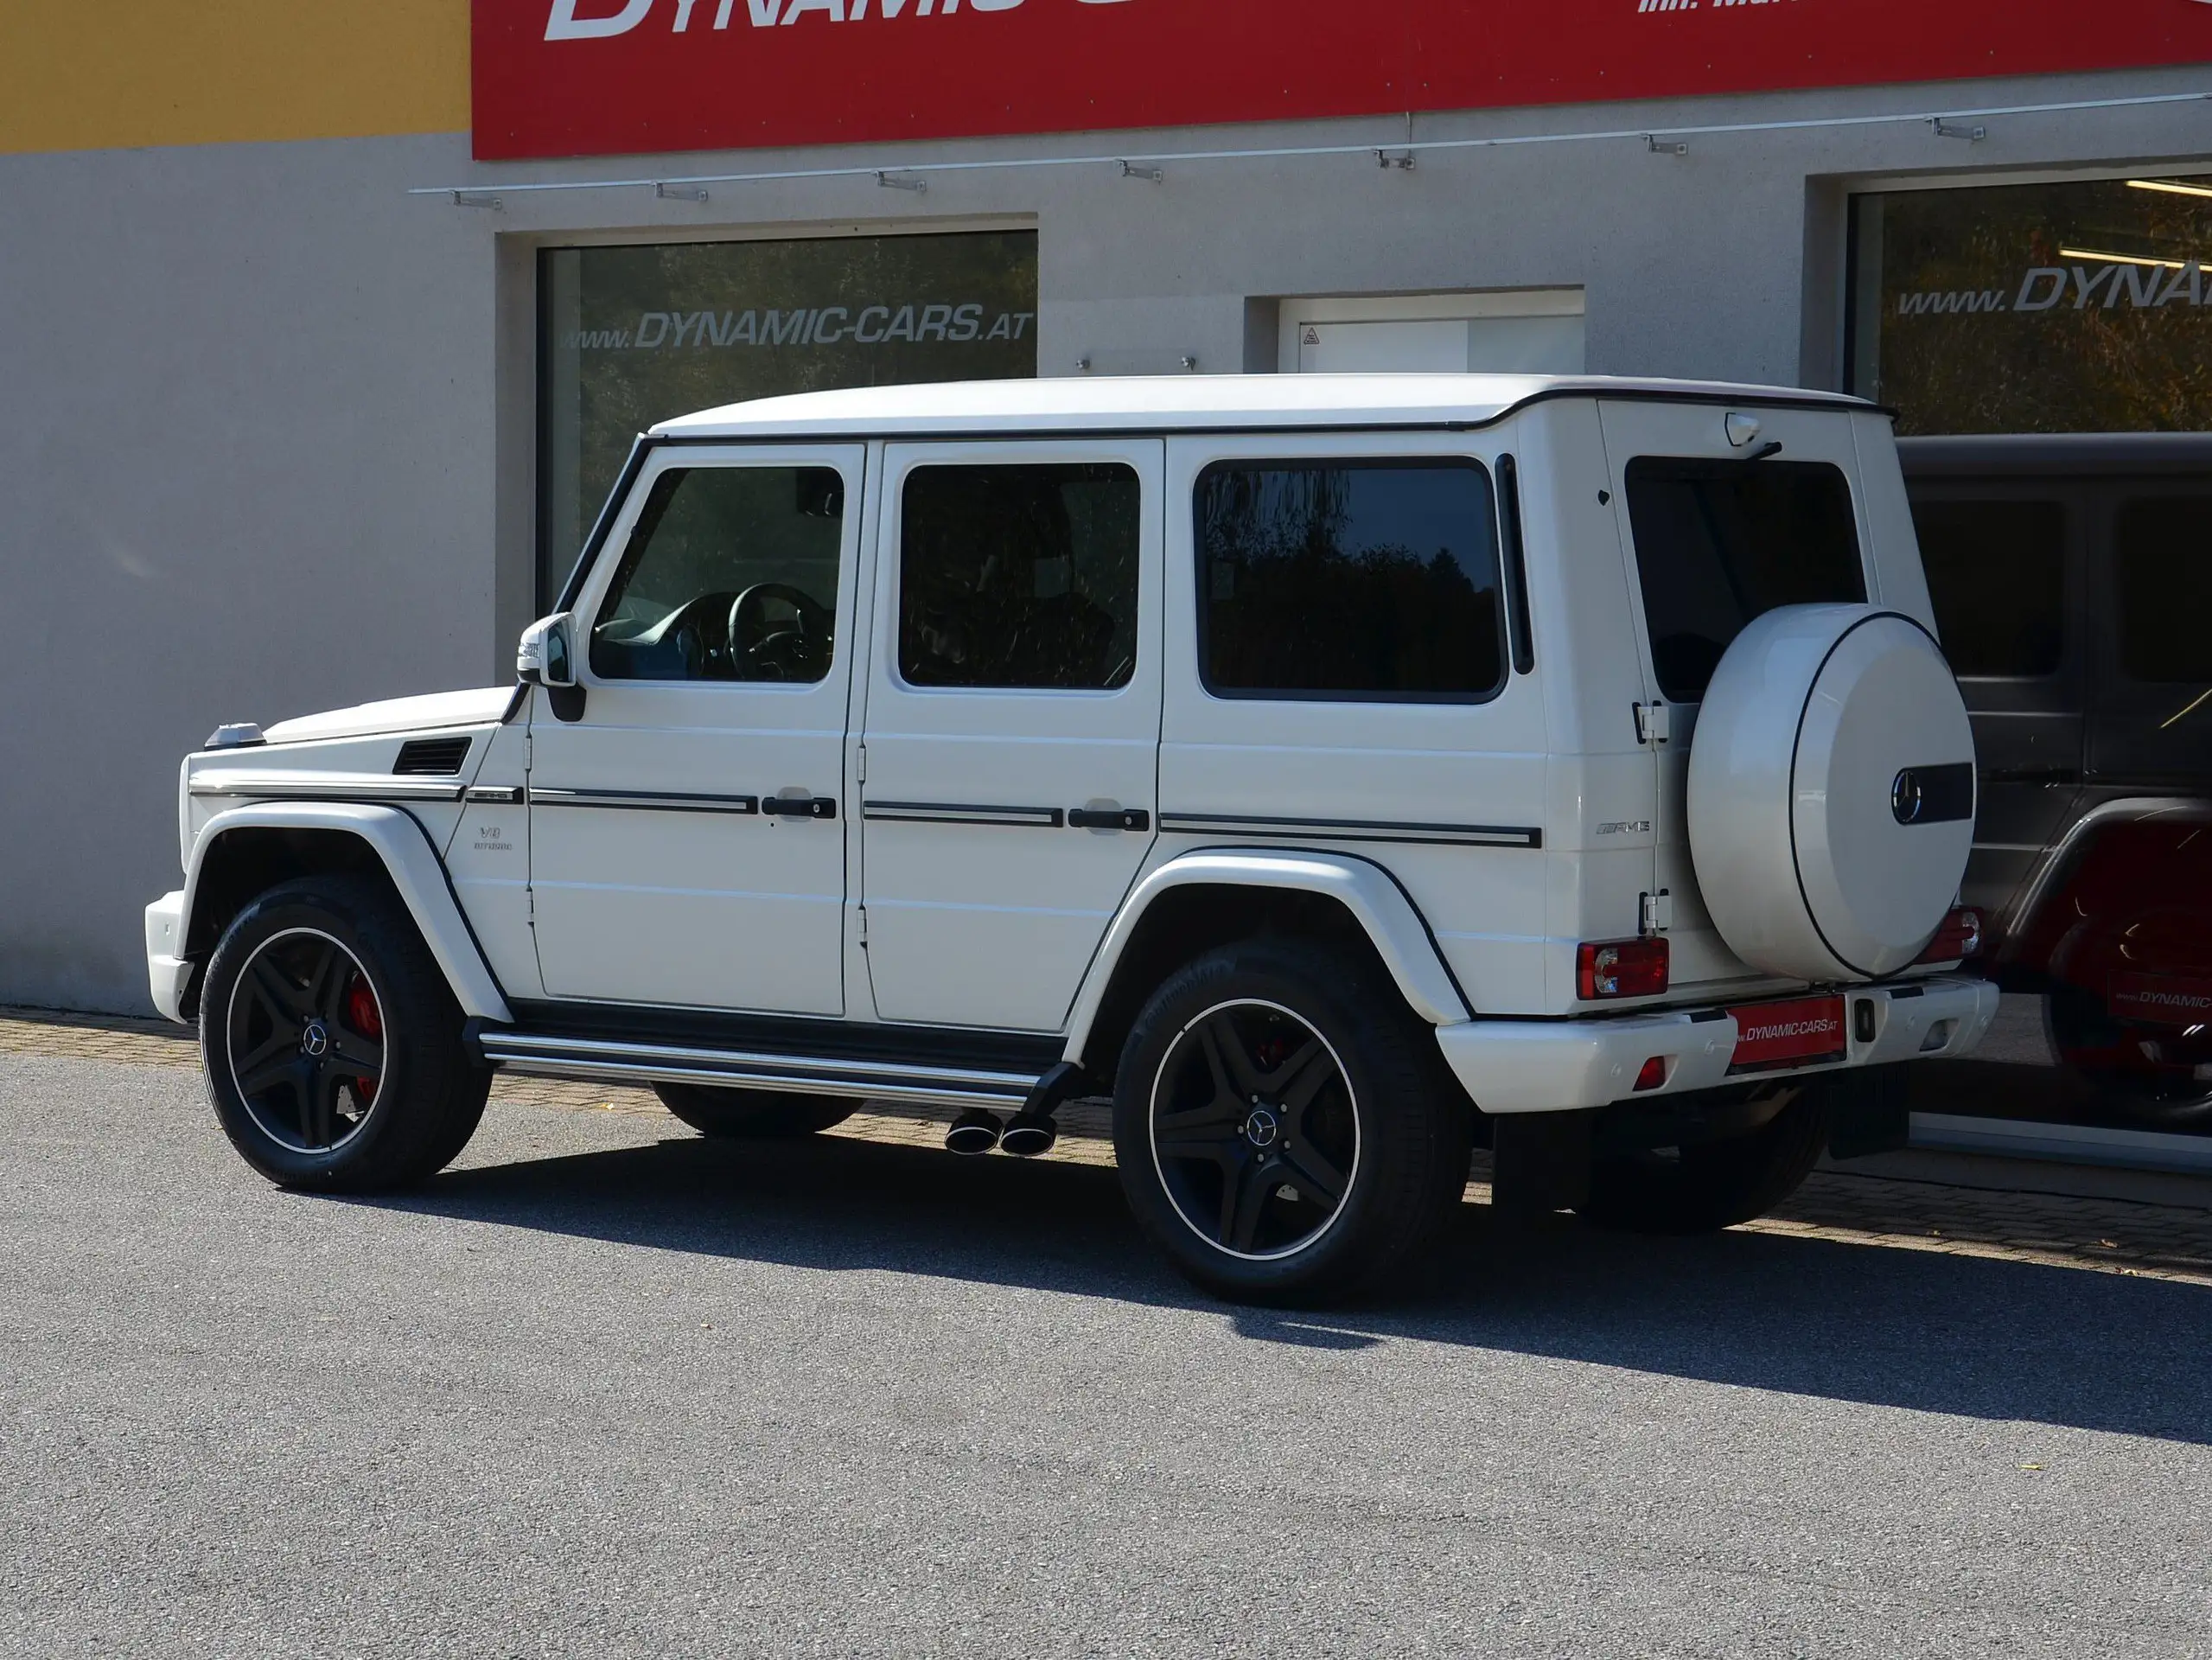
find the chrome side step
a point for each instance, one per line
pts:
(598, 1057)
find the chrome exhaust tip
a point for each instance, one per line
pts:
(973, 1132)
(1029, 1135)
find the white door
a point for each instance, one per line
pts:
(1012, 724)
(1717, 528)
(687, 843)
(1340, 676)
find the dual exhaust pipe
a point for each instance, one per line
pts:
(1027, 1132)
(1025, 1136)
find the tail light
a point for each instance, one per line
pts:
(1621, 969)
(1958, 940)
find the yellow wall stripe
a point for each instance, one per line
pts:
(97, 74)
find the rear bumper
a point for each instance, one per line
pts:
(167, 975)
(1556, 1066)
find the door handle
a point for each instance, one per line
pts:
(1116, 818)
(799, 807)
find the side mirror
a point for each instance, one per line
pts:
(546, 655)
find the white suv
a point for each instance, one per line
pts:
(1307, 763)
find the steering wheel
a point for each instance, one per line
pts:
(797, 651)
(696, 632)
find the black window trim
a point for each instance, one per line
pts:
(2062, 495)
(1470, 463)
(1869, 574)
(891, 552)
(639, 479)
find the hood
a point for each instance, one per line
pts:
(439, 709)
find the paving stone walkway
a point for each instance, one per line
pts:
(2161, 1240)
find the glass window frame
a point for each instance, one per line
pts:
(560, 539)
(894, 550)
(898, 458)
(1869, 576)
(2062, 493)
(593, 578)
(1366, 460)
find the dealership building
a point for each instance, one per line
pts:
(324, 328)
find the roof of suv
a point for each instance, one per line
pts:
(1193, 402)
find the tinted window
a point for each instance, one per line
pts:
(731, 574)
(1020, 576)
(1349, 579)
(1720, 542)
(2165, 549)
(1997, 572)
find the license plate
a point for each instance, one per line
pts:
(2161, 999)
(1769, 1035)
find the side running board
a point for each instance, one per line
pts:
(647, 1063)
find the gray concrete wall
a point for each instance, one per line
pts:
(265, 420)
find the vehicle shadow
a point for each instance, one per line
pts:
(1969, 1337)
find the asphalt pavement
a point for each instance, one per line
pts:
(605, 1388)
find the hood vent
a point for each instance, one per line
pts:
(439, 758)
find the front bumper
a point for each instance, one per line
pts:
(1556, 1066)
(168, 974)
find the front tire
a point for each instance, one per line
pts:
(333, 1047)
(1283, 1128)
(1707, 1186)
(730, 1115)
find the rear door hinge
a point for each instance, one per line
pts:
(861, 912)
(1653, 725)
(860, 764)
(1658, 912)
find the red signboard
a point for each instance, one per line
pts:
(610, 77)
(1788, 1034)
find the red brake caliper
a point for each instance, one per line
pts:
(363, 1015)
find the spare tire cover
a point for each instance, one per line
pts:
(1831, 792)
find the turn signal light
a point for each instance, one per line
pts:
(1958, 940)
(1621, 969)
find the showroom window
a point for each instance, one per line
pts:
(2078, 307)
(631, 336)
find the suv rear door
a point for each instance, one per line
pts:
(1720, 527)
(1012, 734)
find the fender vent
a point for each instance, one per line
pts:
(435, 757)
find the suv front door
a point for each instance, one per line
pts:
(1011, 738)
(687, 842)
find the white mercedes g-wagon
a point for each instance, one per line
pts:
(1336, 772)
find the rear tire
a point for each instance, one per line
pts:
(1714, 1184)
(2140, 1075)
(1283, 1126)
(728, 1114)
(335, 1050)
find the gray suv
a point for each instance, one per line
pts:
(2072, 582)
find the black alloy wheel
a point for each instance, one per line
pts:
(306, 1041)
(334, 1049)
(1255, 1133)
(1285, 1127)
